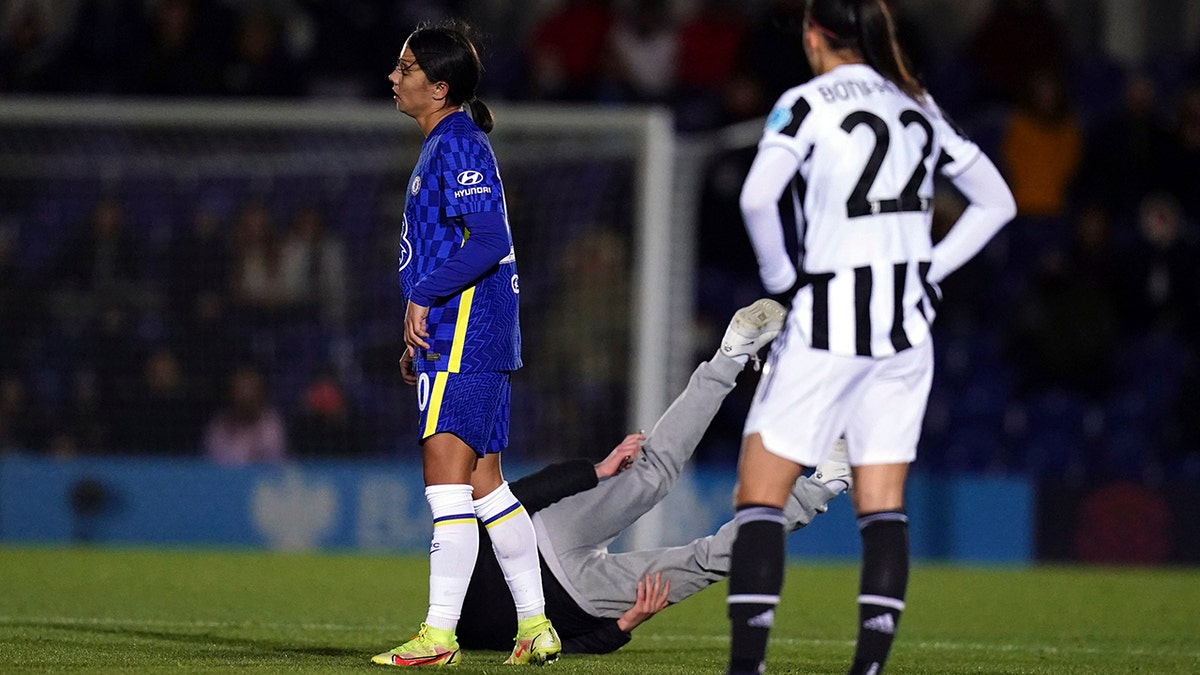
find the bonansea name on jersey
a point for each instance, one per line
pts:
(862, 207)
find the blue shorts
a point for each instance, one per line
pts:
(472, 406)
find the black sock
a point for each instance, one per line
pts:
(881, 588)
(755, 579)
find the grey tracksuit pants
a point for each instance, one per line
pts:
(574, 534)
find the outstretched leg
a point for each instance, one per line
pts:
(617, 503)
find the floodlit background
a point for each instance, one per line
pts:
(199, 216)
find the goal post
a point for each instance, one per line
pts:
(588, 186)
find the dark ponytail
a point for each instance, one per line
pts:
(482, 114)
(867, 28)
(447, 54)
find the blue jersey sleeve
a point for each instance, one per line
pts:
(486, 243)
(470, 178)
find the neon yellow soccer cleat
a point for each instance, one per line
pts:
(537, 642)
(429, 647)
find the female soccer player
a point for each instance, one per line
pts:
(458, 271)
(848, 160)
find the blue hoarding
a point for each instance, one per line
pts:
(377, 506)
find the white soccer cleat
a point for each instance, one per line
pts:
(835, 472)
(752, 328)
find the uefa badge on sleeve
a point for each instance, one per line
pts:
(416, 184)
(778, 119)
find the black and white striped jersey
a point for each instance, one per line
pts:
(845, 173)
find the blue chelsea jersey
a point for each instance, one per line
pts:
(475, 329)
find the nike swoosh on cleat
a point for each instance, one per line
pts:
(419, 660)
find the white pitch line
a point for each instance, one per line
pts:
(945, 646)
(154, 623)
(717, 639)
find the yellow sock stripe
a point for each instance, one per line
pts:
(500, 519)
(460, 329)
(454, 520)
(435, 404)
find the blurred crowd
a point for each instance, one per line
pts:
(712, 61)
(1069, 345)
(178, 367)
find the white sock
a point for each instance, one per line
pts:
(515, 544)
(452, 552)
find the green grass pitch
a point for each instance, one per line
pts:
(146, 610)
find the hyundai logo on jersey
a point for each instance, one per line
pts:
(470, 178)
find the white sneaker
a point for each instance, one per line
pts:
(752, 328)
(835, 471)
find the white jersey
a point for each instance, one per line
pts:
(862, 156)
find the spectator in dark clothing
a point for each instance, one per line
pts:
(261, 65)
(1066, 328)
(86, 429)
(1184, 163)
(199, 264)
(593, 597)
(327, 424)
(24, 425)
(208, 348)
(1161, 272)
(1124, 157)
(161, 417)
(20, 305)
(108, 362)
(32, 40)
(1004, 69)
(101, 261)
(774, 55)
(178, 61)
(346, 38)
(104, 373)
(1096, 257)
(103, 57)
(1183, 446)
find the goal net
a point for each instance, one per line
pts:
(151, 236)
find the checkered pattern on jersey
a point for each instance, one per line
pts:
(456, 174)
(474, 407)
(469, 177)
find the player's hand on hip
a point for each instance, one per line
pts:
(408, 372)
(414, 325)
(652, 598)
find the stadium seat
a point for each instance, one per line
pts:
(1053, 440)
(973, 448)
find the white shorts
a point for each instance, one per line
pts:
(808, 397)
